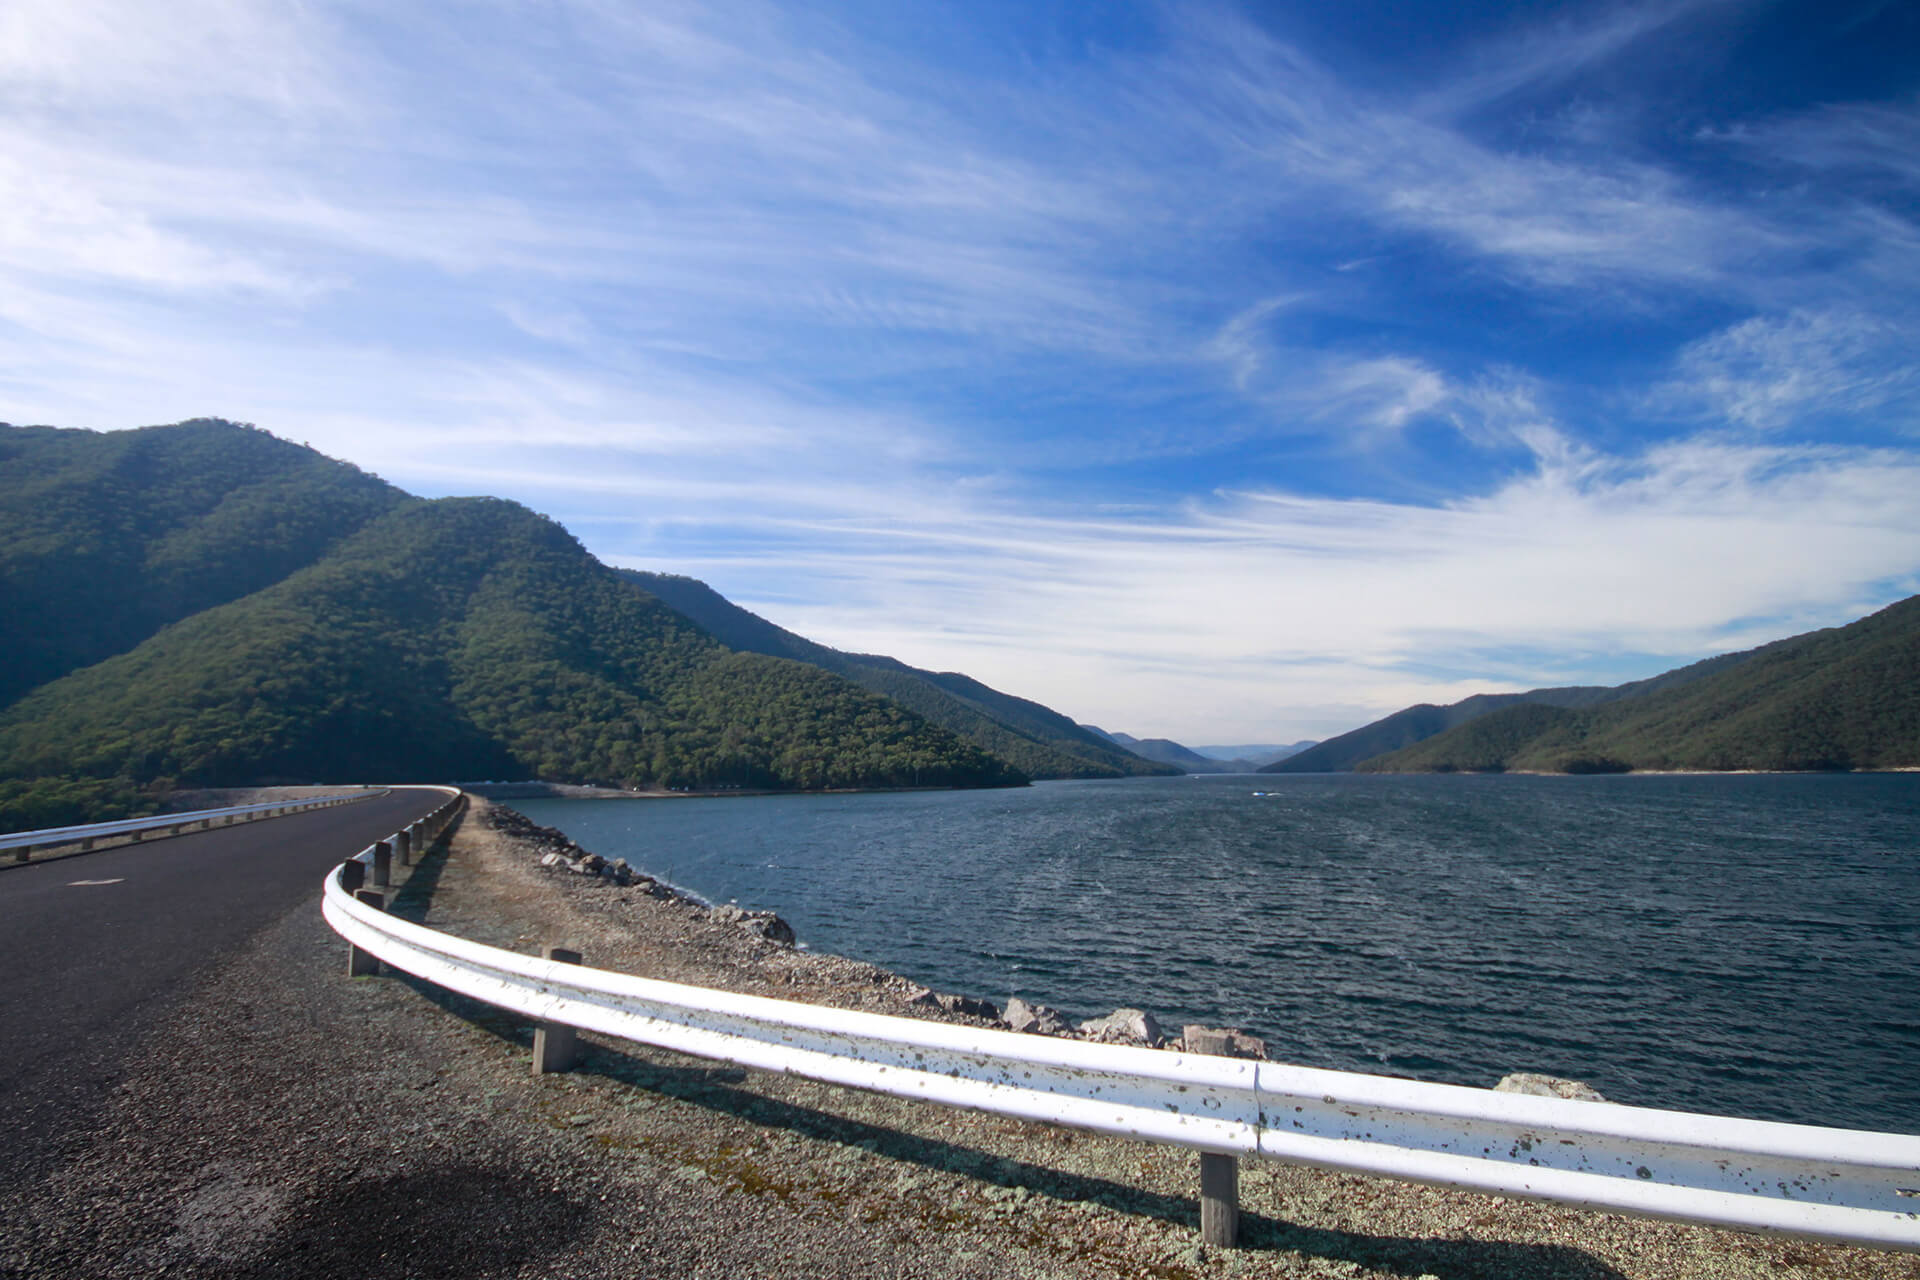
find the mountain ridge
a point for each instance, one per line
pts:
(1036, 739)
(316, 622)
(1839, 698)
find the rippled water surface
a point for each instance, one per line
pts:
(1747, 945)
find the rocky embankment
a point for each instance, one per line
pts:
(553, 851)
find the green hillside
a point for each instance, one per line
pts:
(110, 537)
(1038, 741)
(1843, 698)
(468, 638)
(1416, 724)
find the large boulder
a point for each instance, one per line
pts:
(761, 924)
(1222, 1042)
(969, 1006)
(1548, 1087)
(1123, 1026)
(1035, 1019)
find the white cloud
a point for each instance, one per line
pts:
(1771, 372)
(1254, 609)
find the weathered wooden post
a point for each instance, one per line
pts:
(1219, 1200)
(360, 963)
(556, 1046)
(382, 865)
(1219, 1174)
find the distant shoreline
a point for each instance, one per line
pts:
(581, 791)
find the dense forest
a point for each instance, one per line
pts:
(1037, 740)
(290, 619)
(1843, 698)
(110, 537)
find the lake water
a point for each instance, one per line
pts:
(1745, 945)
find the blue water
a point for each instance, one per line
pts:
(1746, 945)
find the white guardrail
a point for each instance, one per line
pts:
(23, 843)
(1831, 1184)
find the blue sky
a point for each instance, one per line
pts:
(1230, 372)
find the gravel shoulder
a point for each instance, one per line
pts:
(302, 1123)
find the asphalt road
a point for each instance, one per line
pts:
(95, 949)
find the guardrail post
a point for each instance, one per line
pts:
(360, 963)
(403, 848)
(555, 1045)
(1219, 1200)
(382, 865)
(1219, 1174)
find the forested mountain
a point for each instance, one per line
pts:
(1418, 723)
(109, 537)
(1037, 740)
(278, 616)
(1843, 698)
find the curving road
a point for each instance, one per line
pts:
(95, 949)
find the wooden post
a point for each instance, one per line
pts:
(364, 963)
(556, 1047)
(1219, 1200)
(382, 865)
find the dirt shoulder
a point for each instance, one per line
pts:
(306, 1124)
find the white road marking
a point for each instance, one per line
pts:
(116, 880)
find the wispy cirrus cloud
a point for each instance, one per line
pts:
(1771, 372)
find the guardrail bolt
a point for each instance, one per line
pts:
(362, 964)
(1219, 1200)
(556, 1047)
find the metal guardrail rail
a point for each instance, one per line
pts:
(23, 843)
(1832, 1184)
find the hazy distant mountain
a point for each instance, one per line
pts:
(1841, 698)
(1257, 754)
(1192, 759)
(1035, 739)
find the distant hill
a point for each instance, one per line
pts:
(1841, 698)
(1198, 759)
(1037, 740)
(245, 610)
(1255, 755)
(1418, 723)
(1163, 751)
